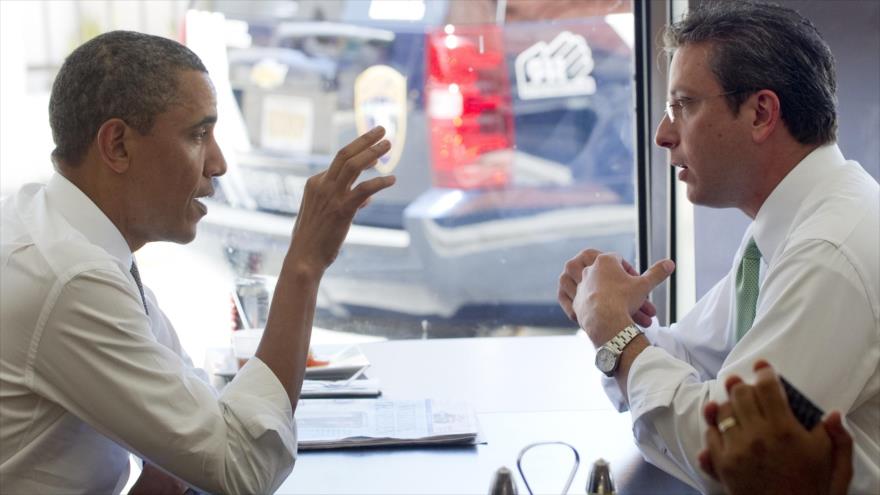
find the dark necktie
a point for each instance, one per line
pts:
(137, 280)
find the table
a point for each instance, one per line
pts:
(524, 390)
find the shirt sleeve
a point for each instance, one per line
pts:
(95, 355)
(166, 335)
(702, 339)
(798, 331)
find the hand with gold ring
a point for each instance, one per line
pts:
(726, 424)
(759, 447)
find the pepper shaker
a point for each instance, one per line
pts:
(503, 483)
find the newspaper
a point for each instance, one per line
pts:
(341, 423)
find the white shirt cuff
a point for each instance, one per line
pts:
(654, 378)
(259, 401)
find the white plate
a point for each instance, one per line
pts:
(345, 361)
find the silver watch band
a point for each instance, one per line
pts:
(623, 338)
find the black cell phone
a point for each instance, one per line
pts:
(803, 408)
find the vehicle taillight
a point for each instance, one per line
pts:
(468, 106)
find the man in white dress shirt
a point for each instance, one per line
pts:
(750, 124)
(90, 368)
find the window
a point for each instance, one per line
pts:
(512, 126)
(512, 130)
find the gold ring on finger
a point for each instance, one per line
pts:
(726, 424)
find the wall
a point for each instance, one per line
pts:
(852, 29)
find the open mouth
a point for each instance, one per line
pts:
(200, 205)
(683, 172)
(208, 194)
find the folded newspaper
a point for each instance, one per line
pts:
(341, 423)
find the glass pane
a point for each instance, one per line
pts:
(512, 134)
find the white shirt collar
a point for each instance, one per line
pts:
(775, 216)
(85, 216)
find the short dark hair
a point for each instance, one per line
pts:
(757, 46)
(120, 74)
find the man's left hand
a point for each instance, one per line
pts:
(764, 449)
(572, 275)
(154, 481)
(607, 295)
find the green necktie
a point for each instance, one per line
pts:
(747, 288)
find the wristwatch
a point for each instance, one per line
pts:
(608, 356)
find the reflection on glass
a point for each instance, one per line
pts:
(512, 145)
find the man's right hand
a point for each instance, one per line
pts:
(571, 278)
(330, 202)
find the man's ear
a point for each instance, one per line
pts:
(767, 115)
(112, 145)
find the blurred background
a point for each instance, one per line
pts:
(512, 125)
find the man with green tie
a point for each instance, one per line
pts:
(751, 124)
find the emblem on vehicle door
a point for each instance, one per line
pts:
(380, 99)
(559, 68)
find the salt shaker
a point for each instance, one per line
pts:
(600, 482)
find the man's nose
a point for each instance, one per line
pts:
(666, 136)
(216, 163)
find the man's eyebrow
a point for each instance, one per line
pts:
(208, 119)
(679, 94)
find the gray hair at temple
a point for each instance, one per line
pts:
(120, 74)
(757, 46)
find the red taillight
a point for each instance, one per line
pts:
(467, 100)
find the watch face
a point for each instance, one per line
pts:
(605, 359)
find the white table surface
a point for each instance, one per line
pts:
(524, 390)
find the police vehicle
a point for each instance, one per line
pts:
(511, 127)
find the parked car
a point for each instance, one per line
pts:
(511, 143)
